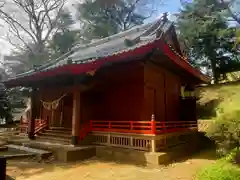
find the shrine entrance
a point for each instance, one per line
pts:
(59, 111)
(67, 111)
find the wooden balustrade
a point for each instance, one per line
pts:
(142, 127)
(174, 126)
(40, 124)
(138, 142)
(142, 142)
(138, 127)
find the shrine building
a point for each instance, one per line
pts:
(133, 90)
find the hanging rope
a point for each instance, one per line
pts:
(47, 105)
(52, 105)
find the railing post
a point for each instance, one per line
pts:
(131, 125)
(153, 127)
(153, 124)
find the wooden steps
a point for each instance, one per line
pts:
(58, 132)
(53, 140)
(55, 135)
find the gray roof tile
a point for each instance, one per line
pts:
(115, 44)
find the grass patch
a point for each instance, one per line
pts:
(221, 170)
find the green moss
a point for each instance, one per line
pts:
(221, 170)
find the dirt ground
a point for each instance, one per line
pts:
(96, 170)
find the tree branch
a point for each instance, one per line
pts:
(43, 17)
(9, 20)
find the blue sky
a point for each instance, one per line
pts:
(170, 6)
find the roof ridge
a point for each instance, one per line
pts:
(115, 36)
(147, 28)
(98, 42)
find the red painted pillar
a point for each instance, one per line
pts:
(153, 124)
(153, 141)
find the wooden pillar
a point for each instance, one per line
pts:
(76, 116)
(31, 125)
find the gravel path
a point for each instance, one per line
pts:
(96, 170)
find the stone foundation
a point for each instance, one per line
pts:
(188, 144)
(75, 154)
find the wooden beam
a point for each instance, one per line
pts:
(76, 116)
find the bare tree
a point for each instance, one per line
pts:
(31, 22)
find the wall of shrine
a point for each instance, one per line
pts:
(118, 96)
(162, 92)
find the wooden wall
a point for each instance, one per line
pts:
(123, 92)
(161, 94)
(117, 97)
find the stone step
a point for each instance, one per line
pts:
(58, 132)
(60, 128)
(53, 139)
(52, 134)
(37, 152)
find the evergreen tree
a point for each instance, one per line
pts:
(209, 39)
(5, 109)
(63, 41)
(103, 18)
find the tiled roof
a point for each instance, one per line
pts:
(121, 42)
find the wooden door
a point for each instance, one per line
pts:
(150, 102)
(172, 98)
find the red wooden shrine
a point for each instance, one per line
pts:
(135, 82)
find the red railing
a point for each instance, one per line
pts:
(40, 124)
(142, 127)
(138, 127)
(174, 126)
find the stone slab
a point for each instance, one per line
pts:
(29, 150)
